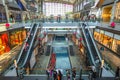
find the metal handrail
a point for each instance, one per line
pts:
(88, 46)
(21, 52)
(28, 53)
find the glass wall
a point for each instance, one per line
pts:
(117, 12)
(2, 15)
(110, 40)
(57, 9)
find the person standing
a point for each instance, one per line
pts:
(68, 74)
(117, 74)
(48, 73)
(26, 46)
(74, 74)
(51, 73)
(93, 72)
(55, 75)
(59, 75)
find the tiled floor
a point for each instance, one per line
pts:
(111, 59)
(41, 65)
(77, 60)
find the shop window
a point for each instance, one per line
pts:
(4, 45)
(17, 37)
(101, 38)
(96, 36)
(107, 41)
(116, 46)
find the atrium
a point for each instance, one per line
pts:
(60, 40)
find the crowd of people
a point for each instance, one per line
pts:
(58, 75)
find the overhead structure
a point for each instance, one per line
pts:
(61, 1)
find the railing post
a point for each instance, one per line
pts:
(101, 69)
(80, 78)
(16, 67)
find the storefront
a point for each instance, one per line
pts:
(117, 12)
(4, 43)
(17, 37)
(108, 39)
(106, 13)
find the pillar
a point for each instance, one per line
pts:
(113, 11)
(6, 10)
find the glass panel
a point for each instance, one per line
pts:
(116, 46)
(57, 9)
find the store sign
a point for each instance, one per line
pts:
(2, 27)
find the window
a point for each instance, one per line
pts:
(57, 9)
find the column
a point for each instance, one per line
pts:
(6, 10)
(113, 11)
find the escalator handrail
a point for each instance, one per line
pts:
(28, 53)
(21, 51)
(68, 51)
(88, 46)
(98, 53)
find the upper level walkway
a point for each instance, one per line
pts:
(63, 24)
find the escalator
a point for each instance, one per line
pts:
(25, 54)
(97, 55)
(93, 53)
